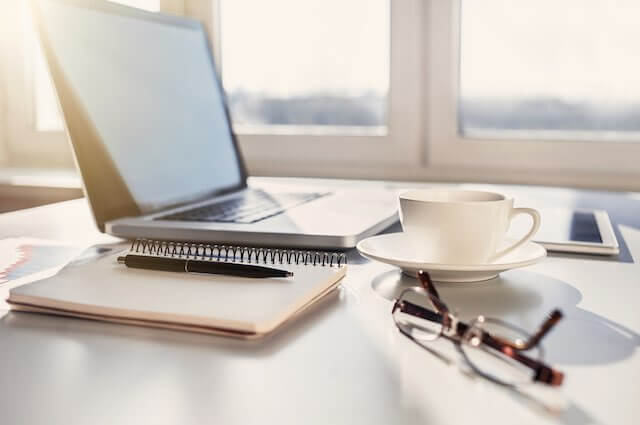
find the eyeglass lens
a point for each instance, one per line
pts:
(417, 317)
(491, 363)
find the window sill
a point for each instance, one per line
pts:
(40, 177)
(27, 188)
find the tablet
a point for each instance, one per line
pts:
(569, 230)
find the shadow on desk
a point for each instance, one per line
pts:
(623, 257)
(524, 298)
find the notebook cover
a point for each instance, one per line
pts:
(168, 325)
(102, 289)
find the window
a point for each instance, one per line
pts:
(34, 136)
(275, 82)
(321, 87)
(550, 70)
(465, 90)
(23, 144)
(311, 66)
(533, 92)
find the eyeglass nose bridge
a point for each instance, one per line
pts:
(474, 333)
(450, 325)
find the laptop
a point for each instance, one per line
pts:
(146, 116)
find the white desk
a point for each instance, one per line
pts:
(344, 361)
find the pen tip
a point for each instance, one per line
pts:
(289, 274)
(121, 260)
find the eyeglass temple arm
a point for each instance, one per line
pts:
(417, 311)
(543, 372)
(548, 324)
(554, 317)
(427, 284)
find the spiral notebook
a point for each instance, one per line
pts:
(95, 286)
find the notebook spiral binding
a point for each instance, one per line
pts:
(230, 253)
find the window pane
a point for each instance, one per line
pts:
(550, 69)
(47, 115)
(319, 65)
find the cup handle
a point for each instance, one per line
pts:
(535, 215)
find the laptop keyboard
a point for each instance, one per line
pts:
(252, 206)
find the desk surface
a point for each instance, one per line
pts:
(344, 361)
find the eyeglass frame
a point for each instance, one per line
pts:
(457, 330)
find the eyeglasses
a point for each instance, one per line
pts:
(494, 349)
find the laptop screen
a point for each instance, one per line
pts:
(149, 88)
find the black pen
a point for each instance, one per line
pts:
(197, 266)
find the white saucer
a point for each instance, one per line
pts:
(395, 249)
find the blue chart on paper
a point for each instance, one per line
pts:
(22, 257)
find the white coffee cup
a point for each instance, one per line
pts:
(462, 227)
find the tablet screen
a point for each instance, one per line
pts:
(560, 226)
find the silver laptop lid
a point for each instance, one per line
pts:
(143, 106)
